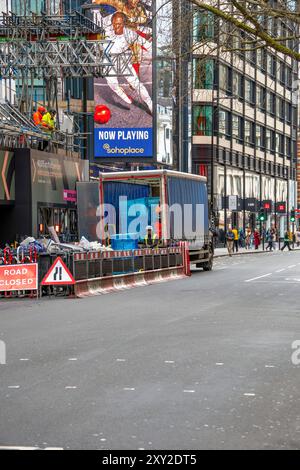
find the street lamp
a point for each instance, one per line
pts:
(216, 100)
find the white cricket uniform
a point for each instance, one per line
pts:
(120, 44)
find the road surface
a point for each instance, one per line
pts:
(200, 363)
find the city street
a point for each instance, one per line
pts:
(200, 363)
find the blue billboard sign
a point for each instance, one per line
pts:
(133, 142)
(123, 101)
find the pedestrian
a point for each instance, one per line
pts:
(236, 239)
(286, 241)
(256, 239)
(270, 239)
(241, 238)
(230, 241)
(248, 238)
(298, 238)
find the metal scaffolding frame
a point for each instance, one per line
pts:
(50, 48)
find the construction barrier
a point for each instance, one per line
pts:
(94, 272)
(99, 273)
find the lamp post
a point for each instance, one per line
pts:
(216, 100)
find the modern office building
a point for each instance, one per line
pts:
(244, 123)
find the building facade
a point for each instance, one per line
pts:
(244, 124)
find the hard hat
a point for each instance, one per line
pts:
(149, 227)
(41, 109)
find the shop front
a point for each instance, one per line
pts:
(43, 194)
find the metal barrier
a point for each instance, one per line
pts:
(18, 258)
(99, 273)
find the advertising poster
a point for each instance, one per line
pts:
(123, 104)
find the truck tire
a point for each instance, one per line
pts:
(209, 264)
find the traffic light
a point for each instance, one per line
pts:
(262, 216)
(293, 215)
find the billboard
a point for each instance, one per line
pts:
(123, 103)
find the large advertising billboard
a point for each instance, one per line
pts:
(124, 107)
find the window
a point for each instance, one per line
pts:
(202, 120)
(270, 140)
(237, 128)
(279, 147)
(288, 147)
(225, 123)
(280, 109)
(261, 59)
(260, 137)
(225, 78)
(203, 27)
(282, 71)
(249, 91)
(261, 97)
(249, 133)
(238, 85)
(203, 73)
(271, 103)
(288, 112)
(289, 79)
(271, 65)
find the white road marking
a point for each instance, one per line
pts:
(269, 367)
(169, 362)
(249, 394)
(258, 277)
(292, 266)
(24, 359)
(280, 270)
(14, 386)
(219, 363)
(70, 387)
(188, 391)
(73, 359)
(120, 360)
(18, 448)
(129, 389)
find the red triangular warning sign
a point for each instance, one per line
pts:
(58, 275)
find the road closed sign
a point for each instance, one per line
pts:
(19, 277)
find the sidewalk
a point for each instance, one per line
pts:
(219, 252)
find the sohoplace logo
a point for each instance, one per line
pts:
(124, 151)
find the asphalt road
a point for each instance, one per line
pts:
(201, 363)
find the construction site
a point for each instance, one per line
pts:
(50, 53)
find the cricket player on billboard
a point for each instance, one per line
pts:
(126, 101)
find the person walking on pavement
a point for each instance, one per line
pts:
(241, 238)
(270, 238)
(256, 239)
(236, 239)
(230, 241)
(298, 237)
(286, 241)
(248, 238)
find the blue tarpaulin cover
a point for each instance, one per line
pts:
(183, 191)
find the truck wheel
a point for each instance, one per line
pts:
(209, 265)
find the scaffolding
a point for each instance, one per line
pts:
(50, 48)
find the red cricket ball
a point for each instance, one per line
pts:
(102, 114)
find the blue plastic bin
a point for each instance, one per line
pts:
(124, 241)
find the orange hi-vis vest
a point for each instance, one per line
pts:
(37, 118)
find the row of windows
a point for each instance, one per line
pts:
(205, 26)
(234, 83)
(232, 126)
